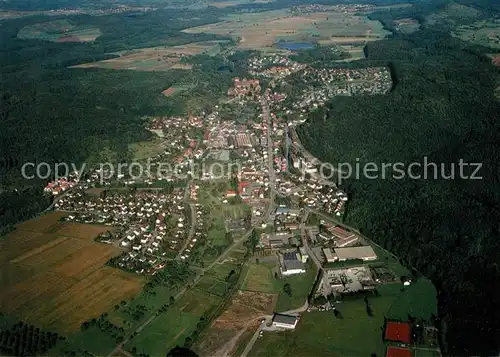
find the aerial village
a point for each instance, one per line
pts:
(206, 162)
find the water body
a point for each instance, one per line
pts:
(294, 46)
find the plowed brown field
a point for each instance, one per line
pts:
(53, 274)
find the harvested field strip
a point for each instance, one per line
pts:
(12, 274)
(19, 242)
(49, 257)
(39, 250)
(88, 258)
(29, 290)
(88, 298)
(348, 40)
(58, 280)
(82, 231)
(42, 223)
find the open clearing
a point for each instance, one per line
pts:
(356, 51)
(59, 31)
(230, 327)
(485, 33)
(452, 14)
(260, 278)
(156, 58)
(176, 89)
(262, 30)
(53, 274)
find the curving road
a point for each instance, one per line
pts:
(235, 244)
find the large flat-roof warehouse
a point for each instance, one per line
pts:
(363, 252)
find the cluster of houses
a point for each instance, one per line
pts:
(151, 224)
(199, 232)
(247, 144)
(60, 185)
(331, 82)
(273, 66)
(244, 88)
(345, 8)
(179, 138)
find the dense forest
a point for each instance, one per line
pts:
(443, 107)
(52, 113)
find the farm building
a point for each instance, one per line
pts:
(285, 321)
(398, 332)
(398, 352)
(364, 253)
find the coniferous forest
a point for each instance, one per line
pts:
(442, 107)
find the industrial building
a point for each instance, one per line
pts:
(290, 264)
(364, 253)
(329, 256)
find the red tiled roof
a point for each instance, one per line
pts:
(398, 332)
(398, 352)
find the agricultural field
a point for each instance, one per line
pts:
(54, 274)
(229, 3)
(355, 51)
(177, 88)
(264, 29)
(156, 58)
(235, 323)
(485, 33)
(172, 327)
(452, 14)
(14, 14)
(356, 333)
(59, 31)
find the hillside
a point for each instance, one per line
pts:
(443, 108)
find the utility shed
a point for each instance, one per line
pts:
(285, 321)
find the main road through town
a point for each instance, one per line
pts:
(235, 244)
